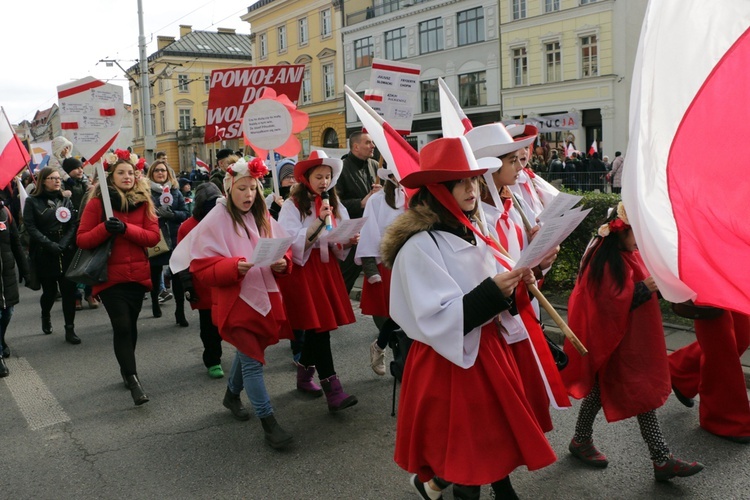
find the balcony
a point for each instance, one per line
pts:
(383, 8)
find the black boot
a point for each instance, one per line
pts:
(70, 335)
(461, 492)
(139, 397)
(46, 324)
(277, 437)
(179, 316)
(503, 490)
(156, 309)
(233, 403)
(3, 368)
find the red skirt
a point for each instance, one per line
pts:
(315, 295)
(468, 426)
(376, 296)
(533, 383)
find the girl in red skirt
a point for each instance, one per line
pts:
(463, 414)
(615, 312)
(315, 293)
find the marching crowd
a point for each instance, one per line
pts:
(438, 251)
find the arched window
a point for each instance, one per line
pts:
(330, 138)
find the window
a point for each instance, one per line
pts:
(303, 34)
(470, 26)
(519, 9)
(185, 119)
(472, 89)
(282, 38)
(589, 58)
(207, 83)
(520, 67)
(306, 87)
(395, 44)
(162, 121)
(553, 68)
(161, 86)
(551, 5)
(182, 83)
(584, 2)
(329, 81)
(263, 42)
(363, 52)
(431, 35)
(430, 96)
(325, 23)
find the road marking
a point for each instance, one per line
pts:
(37, 404)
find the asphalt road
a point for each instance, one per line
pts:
(69, 429)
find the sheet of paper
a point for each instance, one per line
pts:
(559, 205)
(345, 230)
(551, 234)
(269, 250)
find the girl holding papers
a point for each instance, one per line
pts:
(315, 292)
(247, 305)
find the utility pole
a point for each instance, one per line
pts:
(149, 140)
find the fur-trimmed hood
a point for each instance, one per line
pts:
(405, 226)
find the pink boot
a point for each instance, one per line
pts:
(337, 398)
(305, 381)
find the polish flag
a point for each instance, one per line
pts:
(570, 150)
(201, 163)
(454, 121)
(593, 149)
(13, 154)
(688, 206)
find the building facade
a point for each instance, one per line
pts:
(291, 32)
(179, 83)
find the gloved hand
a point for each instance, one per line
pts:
(114, 226)
(186, 279)
(165, 212)
(55, 248)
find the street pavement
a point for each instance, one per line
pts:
(69, 429)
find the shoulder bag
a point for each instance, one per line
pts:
(89, 266)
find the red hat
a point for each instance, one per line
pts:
(447, 159)
(317, 158)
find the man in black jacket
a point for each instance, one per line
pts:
(357, 183)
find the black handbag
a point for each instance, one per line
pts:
(689, 310)
(89, 267)
(560, 357)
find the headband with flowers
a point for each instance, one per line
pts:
(616, 225)
(112, 158)
(255, 168)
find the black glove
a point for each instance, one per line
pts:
(187, 285)
(55, 248)
(165, 212)
(114, 225)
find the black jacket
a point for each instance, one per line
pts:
(11, 253)
(51, 242)
(355, 182)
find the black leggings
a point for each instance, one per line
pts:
(210, 337)
(155, 283)
(49, 294)
(316, 351)
(123, 304)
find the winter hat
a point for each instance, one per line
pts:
(58, 144)
(242, 168)
(183, 182)
(70, 164)
(223, 153)
(205, 199)
(286, 168)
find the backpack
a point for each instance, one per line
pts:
(400, 344)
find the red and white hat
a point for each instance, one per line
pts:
(521, 131)
(494, 140)
(317, 158)
(448, 159)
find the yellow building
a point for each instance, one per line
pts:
(179, 76)
(292, 32)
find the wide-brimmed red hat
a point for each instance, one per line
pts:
(317, 158)
(494, 140)
(447, 159)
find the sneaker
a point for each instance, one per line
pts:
(377, 359)
(93, 303)
(420, 489)
(587, 453)
(675, 467)
(79, 305)
(165, 296)
(215, 371)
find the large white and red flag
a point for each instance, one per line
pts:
(687, 202)
(13, 154)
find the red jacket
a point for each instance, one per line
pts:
(128, 261)
(203, 292)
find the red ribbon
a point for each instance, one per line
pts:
(69, 125)
(107, 112)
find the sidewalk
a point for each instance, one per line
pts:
(676, 336)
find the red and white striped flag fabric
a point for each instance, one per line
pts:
(593, 149)
(687, 205)
(454, 120)
(201, 163)
(13, 154)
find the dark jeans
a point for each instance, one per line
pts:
(5, 315)
(350, 270)
(123, 303)
(316, 351)
(49, 294)
(210, 338)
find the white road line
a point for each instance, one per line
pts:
(37, 404)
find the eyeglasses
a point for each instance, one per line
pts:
(160, 170)
(57, 179)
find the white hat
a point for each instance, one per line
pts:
(58, 144)
(493, 140)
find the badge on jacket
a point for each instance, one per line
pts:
(166, 197)
(62, 214)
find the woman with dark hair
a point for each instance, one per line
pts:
(51, 225)
(615, 312)
(134, 228)
(463, 414)
(171, 211)
(315, 294)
